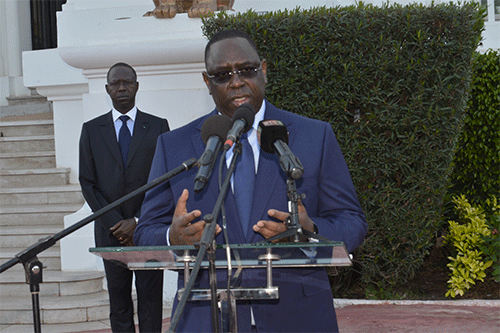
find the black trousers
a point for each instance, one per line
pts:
(149, 287)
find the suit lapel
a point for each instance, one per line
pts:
(199, 147)
(197, 141)
(108, 133)
(234, 225)
(269, 176)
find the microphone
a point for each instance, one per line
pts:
(213, 133)
(243, 119)
(273, 138)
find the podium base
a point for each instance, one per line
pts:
(236, 293)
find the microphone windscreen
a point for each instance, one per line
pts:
(268, 132)
(246, 112)
(217, 125)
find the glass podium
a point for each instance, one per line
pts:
(253, 255)
(256, 255)
(243, 256)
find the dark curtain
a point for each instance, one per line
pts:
(43, 23)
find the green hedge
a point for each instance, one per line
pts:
(477, 160)
(393, 81)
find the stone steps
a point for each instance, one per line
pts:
(35, 196)
(55, 283)
(28, 177)
(27, 160)
(27, 143)
(85, 308)
(25, 236)
(26, 128)
(50, 258)
(32, 215)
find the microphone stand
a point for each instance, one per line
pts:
(34, 268)
(294, 229)
(207, 243)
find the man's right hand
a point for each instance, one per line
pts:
(182, 231)
(124, 231)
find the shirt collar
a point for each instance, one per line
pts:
(132, 113)
(258, 116)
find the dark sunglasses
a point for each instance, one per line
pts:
(245, 73)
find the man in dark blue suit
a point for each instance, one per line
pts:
(236, 75)
(116, 150)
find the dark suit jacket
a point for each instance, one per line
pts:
(306, 302)
(104, 178)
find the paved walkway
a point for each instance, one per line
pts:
(359, 316)
(365, 316)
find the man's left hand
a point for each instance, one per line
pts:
(270, 228)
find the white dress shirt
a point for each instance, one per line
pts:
(252, 140)
(118, 123)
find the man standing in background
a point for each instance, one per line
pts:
(116, 151)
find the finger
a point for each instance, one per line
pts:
(194, 232)
(301, 206)
(117, 225)
(269, 228)
(274, 227)
(282, 216)
(265, 232)
(183, 222)
(129, 233)
(180, 208)
(127, 241)
(181, 216)
(192, 237)
(191, 216)
(194, 228)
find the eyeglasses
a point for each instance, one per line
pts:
(126, 83)
(245, 73)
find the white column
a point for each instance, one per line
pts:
(491, 33)
(64, 86)
(15, 37)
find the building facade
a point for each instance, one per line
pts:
(91, 36)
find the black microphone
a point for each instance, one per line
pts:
(243, 118)
(213, 133)
(273, 138)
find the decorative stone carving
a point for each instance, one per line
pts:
(194, 8)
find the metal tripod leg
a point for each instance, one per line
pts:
(33, 270)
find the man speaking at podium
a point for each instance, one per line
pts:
(172, 213)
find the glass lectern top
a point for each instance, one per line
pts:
(311, 254)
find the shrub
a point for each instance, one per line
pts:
(393, 82)
(491, 244)
(467, 238)
(477, 173)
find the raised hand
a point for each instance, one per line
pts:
(183, 231)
